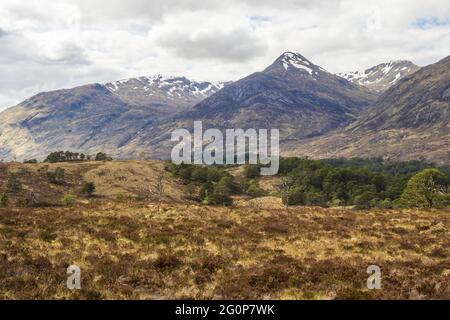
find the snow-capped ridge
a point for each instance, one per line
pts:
(172, 86)
(382, 76)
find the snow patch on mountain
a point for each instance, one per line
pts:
(297, 61)
(383, 76)
(177, 87)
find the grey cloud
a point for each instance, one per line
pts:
(156, 10)
(236, 45)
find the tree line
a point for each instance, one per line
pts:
(68, 156)
(364, 183)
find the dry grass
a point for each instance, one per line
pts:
(136, 249)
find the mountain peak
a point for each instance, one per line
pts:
(382, 76)
(295, 60)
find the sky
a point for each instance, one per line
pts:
(47, 45)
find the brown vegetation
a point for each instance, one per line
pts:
(138, 249)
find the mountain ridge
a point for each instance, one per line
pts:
(411, 120)
(320, 114)
(381, 77)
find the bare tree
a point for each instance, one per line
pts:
(159, 187)
(285, 187)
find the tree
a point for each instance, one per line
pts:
(29, 200)
(102, 157)
(221, 193)
(13, 185)
(4, 200)
(88, 189)
(285, 188)
(366, 200)
(424, 189)
(159, 187)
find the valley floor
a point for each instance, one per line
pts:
(141, 250)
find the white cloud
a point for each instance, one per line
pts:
(47, 45)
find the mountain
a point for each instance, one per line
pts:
(174, 93)
(293, 95)
(411, 120)
(128, 117)
(95, 117)
(383, 76)
(319, 114)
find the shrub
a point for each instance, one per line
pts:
(252, 171)
(120, 196)
(167, 261)
(4, 201)
(13, 185)
(221, 193)
(68, 199)
(206, 189)
(56, 177)
(31, 161)
(336, 202)
(200, 174)
(313, 198)
(296, 197)
(214, 174)
(254, 191)
(88, 189)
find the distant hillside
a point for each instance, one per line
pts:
(95, 117)
(409, 121)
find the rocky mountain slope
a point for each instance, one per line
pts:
(128, 117)
(318, 113)
(383, 76)
(409, 121)
(95, 117)
(293, 95)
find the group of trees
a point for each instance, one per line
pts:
(68, 156)
(364, 183)
(211, 185)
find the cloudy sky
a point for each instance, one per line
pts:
(48, 44)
